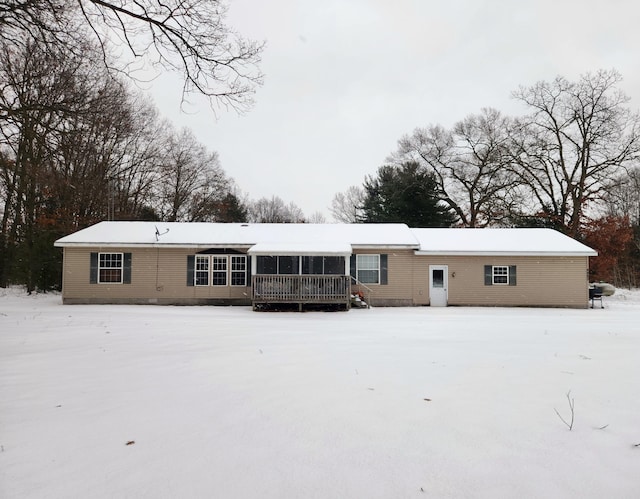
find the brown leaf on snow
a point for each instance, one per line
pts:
(130, 442)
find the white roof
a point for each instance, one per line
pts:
(342, 249)
(498, 242)
(327, 239)
(335, 237)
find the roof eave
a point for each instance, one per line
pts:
(506, 253)
(147, 245)
(386, 246)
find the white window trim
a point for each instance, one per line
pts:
(111, 268)
(358, 269)
(494, 275)
(196, 271)
(231, 271)
(211, 271)
(214, 271)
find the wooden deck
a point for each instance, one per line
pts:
(301, 290)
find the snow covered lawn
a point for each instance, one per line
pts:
(223, 402)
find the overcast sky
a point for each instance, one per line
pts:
(345, 79)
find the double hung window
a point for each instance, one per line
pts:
(217, 270)
(219, 264)
(239, 270)
(368, 269)
(110, 266)
(500, 274)
(201, 274)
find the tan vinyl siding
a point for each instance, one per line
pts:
(157, 276)
(541, 281)
(398, 290)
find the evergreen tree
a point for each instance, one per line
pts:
(405, 194)
(232, 209)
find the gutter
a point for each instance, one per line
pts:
(505, 253)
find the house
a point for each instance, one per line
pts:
(322, 264)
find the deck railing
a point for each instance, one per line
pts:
(301, 289)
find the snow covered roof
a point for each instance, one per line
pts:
(326, 249)
(334, 237)
(489, 242)
(327, 239)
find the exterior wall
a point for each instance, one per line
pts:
(160, 276)
(541, 281)
(157, 276)
(400, 278)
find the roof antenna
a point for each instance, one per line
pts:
(158, 233)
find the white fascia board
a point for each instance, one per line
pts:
(149, 245)
(504, 253)
(385, 246)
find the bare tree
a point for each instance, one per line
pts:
(623, 196)
(317, 218)
(469, 163)
(274, 210)
(623, 203)
(45, 93)
(77, 147)
(53, 22)
(579, 136)
(185, 36)
(346, 207)
(191, 182)
(66, 130)
(105, 159)
(133, 182)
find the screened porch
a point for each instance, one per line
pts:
(300, 276)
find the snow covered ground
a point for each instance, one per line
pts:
(223, 402)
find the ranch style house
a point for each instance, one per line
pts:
(312, 265)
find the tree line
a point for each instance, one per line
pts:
(79, 145)
(570, 163)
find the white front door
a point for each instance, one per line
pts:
(438, 285)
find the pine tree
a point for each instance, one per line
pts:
(405, 194)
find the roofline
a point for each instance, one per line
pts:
(417, 252)
(506, 253)
(206, 245)
(385, 246)
(149, 245)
